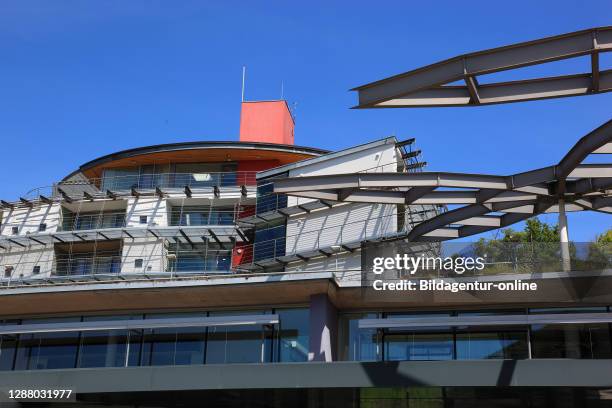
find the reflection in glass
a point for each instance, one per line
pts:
(238, 344)
(570, 341)
(418, 346)
(492, 345)
(358, 344)
(293, 334)
(47, 350)
(174, 346)
(103, 348)
(8, 346)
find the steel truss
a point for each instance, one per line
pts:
(487, 201)
(431, 85)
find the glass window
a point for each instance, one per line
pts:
(205, 174)
(181, 346)
(105, 348)
(418, 346)
(199, 258)
(267, 200)
(552, 310)
(8, 346)
(47, 350)
(238, 344)
(479, 345)
(570, 341)
(358, 344)
(293, 335)
(202, 215)
(120, 179)
(270, 242)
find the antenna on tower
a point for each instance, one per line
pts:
(243, 79)
(282, 90)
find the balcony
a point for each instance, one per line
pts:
(83, 259)
(87, 265)
(92, 221)
(175, 180)
(201, 215)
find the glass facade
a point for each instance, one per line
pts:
(267, 199)
(177, 175)
(579, 341)
(286, 342)
(202, 215)
(88, 221)
(199, 257)
(358, 344)
(269, 242)
(238, 344)
(293, 335)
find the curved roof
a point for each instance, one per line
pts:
(214, 151)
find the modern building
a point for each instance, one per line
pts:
(232, 274)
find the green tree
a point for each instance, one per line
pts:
(600, 251)
(535, 248)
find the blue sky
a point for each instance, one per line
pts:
(81, 79)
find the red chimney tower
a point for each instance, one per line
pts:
(266, 121)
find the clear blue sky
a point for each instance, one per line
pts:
(80, 79)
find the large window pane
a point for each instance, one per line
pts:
(207, 257)
(570, 341)
(47, 350)
(174, 346)
(358, 344)
(238, 344)
(492, 345)
(120, 179)
(105, 348)
(293, 334)
(8, 347)
(418, 346)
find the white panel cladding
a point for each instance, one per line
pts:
(382, 158)
(28, 220)
(347, 266)
(376, 158)
(152, 207)
(150, 250)
(343, 224)
(21, 262)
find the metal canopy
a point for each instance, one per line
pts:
(488, 201)
(185, 234)
(179, 322)
(430, 85)
(472, 321)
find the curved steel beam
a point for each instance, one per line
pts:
(428, 86)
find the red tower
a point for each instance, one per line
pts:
(266, 121)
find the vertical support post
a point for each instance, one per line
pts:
(323, 329)
(564, 237)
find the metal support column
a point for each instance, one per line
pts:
(564, 237)
(323, 329)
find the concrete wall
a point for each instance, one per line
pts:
(150, 250)
(23, 261)
(28, 220)
(154, 208)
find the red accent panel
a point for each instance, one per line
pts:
(242, 254)
(255, 165)
(268, 121)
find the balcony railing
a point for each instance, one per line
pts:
(75, 222)
(176, 180)
(71, 266)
